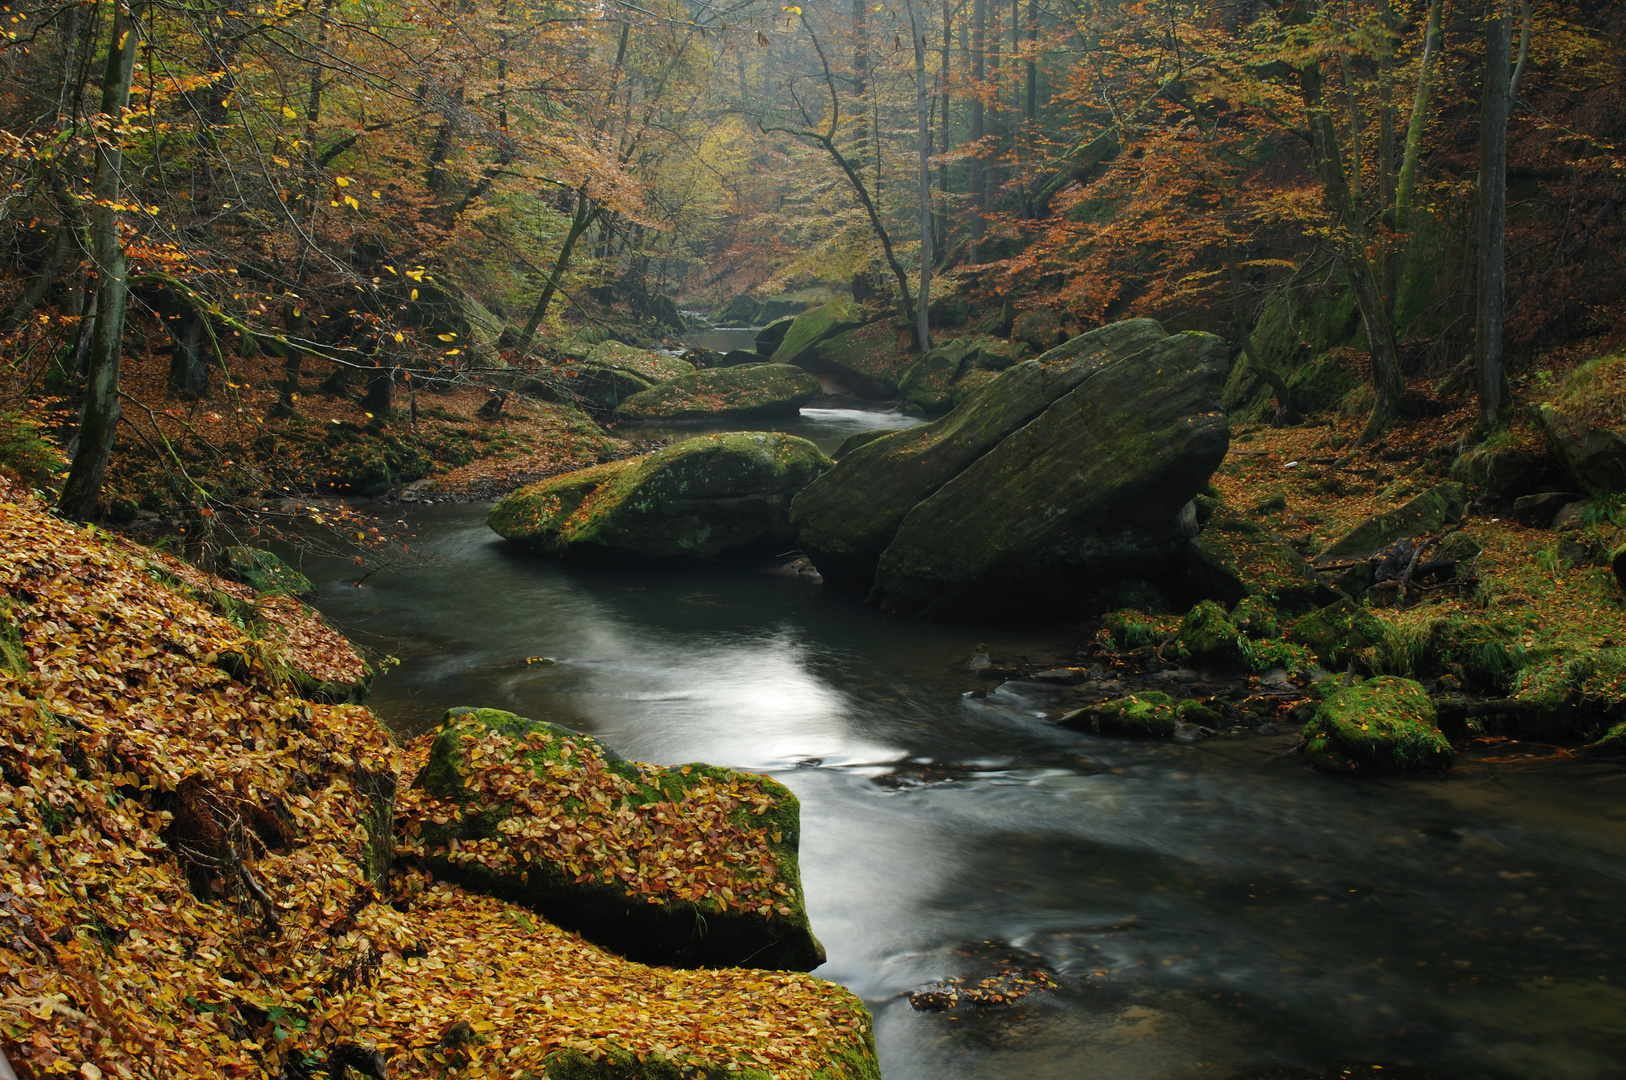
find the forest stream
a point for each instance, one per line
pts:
(1208, 910)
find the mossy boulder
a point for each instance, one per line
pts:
(862, 438)
(1379, 725)
(1578, 690)
(969, 383)
(595, 388)
(1210, 637)
(742, 393)
(1087, 493)
(868, 360)
(737, 358)
(1038, 327)
(706, 498)
(929, 382)
(651, 366)
(740, 310)
(995, 354)
(1427, 513)
(1150, 714)
(263, 572)
(1585, 425)
(1617, 563)
(846, 518)
(770, 336)
(947, 311)
(811, 328)
(1340, 634)
(692, 866)
(1504, 472)
(1077, 358)
(1234, 557)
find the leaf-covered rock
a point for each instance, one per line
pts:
(1150, 714)
(1427, 513)
(1340, 634)
(869, 360)
(742, 392)
(929, 382)
(647, 364)
(1380, 725)
(704, 498)
(1234, 557)
(807, 330)
(689, 866)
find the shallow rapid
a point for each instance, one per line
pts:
(1207, 910)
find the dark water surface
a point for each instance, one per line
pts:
(1207, 910)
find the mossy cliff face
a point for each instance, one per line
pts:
(1381, 725)
(847, 518)
(701, 499)
(743, 392)
(1086, 494)
(690, 866)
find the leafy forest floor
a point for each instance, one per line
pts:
(194, 875)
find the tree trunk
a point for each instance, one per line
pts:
(583, 216)
(1385, 354)
(379, 397)
(100, 417)
(945, 138)
(979, 171)
(1499, 90)
(923, 332)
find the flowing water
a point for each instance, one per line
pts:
(1207, 910)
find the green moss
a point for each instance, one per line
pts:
(1150, 714)
(264, 572)
(1132, 629)
(1380, 725)
(1342, 634)
(743, 392)
(1580, 690)
(1208, 636)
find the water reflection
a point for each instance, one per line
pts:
(1208, 909)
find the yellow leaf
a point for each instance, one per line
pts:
(350, 200)
(447, 337)
(390, 268)
(414, 294)
(342, 181)
(399, 336)
(289, 113)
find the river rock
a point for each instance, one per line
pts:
(1210, 637)
(1235, 556)
(1150, 714)
(1380, 725)
(769, 337)
(743, 392)
(868, 360)
(1429, 512)
(811, 328)
(846, 518)
(634, 858)
(1088, 493)
(705, 498)
(1585, 425)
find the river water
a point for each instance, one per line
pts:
(1208, 911)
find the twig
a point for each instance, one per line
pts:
(268, 906)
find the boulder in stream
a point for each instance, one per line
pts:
(1088, 493)
(1379, 725)
(690, 866)
(811, 328)
(847, 518)
(741, 392)
(868, 360)
(704, 498)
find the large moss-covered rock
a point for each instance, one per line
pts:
(1576, 690)
(1340, 634)
(1505, 472)
(706, 498)
(1086, 494)
(1235, 556)
(1075, 359)
(1427, 513)
(692, 866)
(770, 336)
(929, 382)
(647, 364)
(1039, 328)
(868, 360)
(263, 572)
(1585, 424)
(1381, 725)
(742, 392)
(846, 518)
(811, 328)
